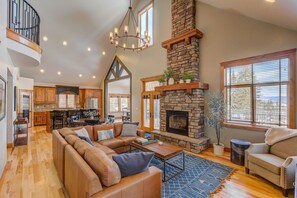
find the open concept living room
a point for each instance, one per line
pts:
(148, 98)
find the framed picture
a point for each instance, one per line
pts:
(2, 97)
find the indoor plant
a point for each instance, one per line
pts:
(169, 75)
(188, 77)
(161, 80)
(215, 116)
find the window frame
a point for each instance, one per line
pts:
(67, 107)
(291, 55)
(142, 11)
(118, 96)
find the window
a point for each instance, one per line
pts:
(260, 91)
(119, 103)
(145, 20)
(150, 86)
(66, 101)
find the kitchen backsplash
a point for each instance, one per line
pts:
(45, 107)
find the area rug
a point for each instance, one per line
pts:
(199, 180)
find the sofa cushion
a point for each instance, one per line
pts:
(105, 135)
(71, 139)
(133, 163)
(127, 140)
(100, 128)
(83, 134)
(81, 146)
(66, 131)
(129, 130)
(285, 148)
(106, 169)
(105, 149)
(118, 129)
(88, 128)
(112, 143)
(267, 161)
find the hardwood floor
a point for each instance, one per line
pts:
(30, 172)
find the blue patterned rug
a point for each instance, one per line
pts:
(200, 178)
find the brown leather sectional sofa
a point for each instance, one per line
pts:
(78, 178)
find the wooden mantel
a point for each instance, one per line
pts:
(185, 86)
(183, 37)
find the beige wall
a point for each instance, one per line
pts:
(227, 36)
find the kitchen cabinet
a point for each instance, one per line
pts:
(90, 93)
(39, 118)
(44, 95)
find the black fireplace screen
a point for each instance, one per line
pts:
(177, 122)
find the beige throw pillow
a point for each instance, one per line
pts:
(129, 130)
(106, 169)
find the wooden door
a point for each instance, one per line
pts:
(39, 95)
(50, 94)
(150, 111)
(82, 96)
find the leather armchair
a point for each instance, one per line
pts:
(271, 163)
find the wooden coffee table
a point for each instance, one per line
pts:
(164, 153)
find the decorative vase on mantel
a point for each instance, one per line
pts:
(171, 81)
(188, 80)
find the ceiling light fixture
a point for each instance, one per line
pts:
(59, 73)
(42, 70)
(89, 49)
(45, 38)
(80, 75)
(270, 1)
(65, 43)
(124, 38)
(103, 53)
(94, 77)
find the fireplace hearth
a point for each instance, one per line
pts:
(177, 122)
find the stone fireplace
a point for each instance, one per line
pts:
(177, 122)
(182, 105)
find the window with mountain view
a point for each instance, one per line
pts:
(260, 91)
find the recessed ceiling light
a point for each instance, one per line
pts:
(103, 53)
(42, 70)
(59, 73)
(89, 49)
(270, 1)
(65, 43)
(45, 38)
(94, 77)
(80, 75)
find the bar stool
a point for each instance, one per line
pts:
(58, 119)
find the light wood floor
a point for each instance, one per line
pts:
(30, 172)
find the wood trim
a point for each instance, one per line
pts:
(185, 86)
(292, 92)
(237, 125)
(150, 79)
(260, 58)
(9, 145)
(183, 37)
(22, 40)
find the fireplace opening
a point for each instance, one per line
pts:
(177, 122)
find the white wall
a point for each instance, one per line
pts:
(5, 63)
(26, 83)
(227, 36)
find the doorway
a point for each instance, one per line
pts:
(117, 92)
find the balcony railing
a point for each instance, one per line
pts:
(24, 20)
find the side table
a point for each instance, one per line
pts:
(237, 150)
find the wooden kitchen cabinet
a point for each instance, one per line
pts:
(44, 95)
(90, 93)
(39, 118)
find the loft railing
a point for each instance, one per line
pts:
(24, 20)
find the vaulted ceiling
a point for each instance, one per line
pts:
(86, 24)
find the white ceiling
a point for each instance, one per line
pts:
(82, 24)
(86, 24)
(282, 13)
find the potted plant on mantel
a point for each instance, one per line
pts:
(215, 117)
(169, 75)
(161, 80)
(188, 77)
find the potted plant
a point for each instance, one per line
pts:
(161, 80)
(215, 116)
(169, 75)
(188, 77)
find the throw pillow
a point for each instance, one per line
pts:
(83, 134)
(88, 140)
(133, 163)
(129, 130)
(106, 169)
(105, 135)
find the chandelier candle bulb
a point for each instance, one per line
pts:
(115, 31)
(116, 43)
(124, 45)
(137, 30)
(126, 29)
(111, 35)
(133, 46)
